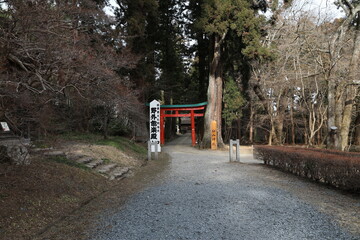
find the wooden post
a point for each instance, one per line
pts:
(213, 135)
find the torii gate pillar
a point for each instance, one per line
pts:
(193, 133)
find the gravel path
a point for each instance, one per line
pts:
(203, 196)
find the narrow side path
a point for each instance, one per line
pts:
(201, 195)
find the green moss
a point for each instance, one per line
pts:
(106, 161)
(40, 144)
(3, 196)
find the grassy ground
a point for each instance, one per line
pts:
(121, 143)
(33, 197)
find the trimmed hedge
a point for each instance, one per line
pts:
(340, 169)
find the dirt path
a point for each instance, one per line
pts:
(200, 195)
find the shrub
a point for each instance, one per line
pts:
(340, 169)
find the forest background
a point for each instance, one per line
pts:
(271, 72)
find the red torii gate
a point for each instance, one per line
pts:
(174, 111)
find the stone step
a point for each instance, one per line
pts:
(84, 160)
(40, 150)
(94, 163)
(118, 173)
(74, 157)
(106, 168)
(54, 153)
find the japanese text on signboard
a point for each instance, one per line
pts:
(155, 124)
(213, 135)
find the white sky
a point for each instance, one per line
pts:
(110, 10)
(323, 9)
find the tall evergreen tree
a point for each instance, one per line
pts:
(221, 19)
(170, 47)
(138, 22)
(200, 49)
(170, 55)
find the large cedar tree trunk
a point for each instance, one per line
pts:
(214, 94)
(203, 65)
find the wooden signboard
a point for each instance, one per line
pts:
(213, 135)
(155, 125)
(5, 126)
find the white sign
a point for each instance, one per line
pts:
(155, 124)
(5, 126)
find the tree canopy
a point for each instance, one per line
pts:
(67, 65)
